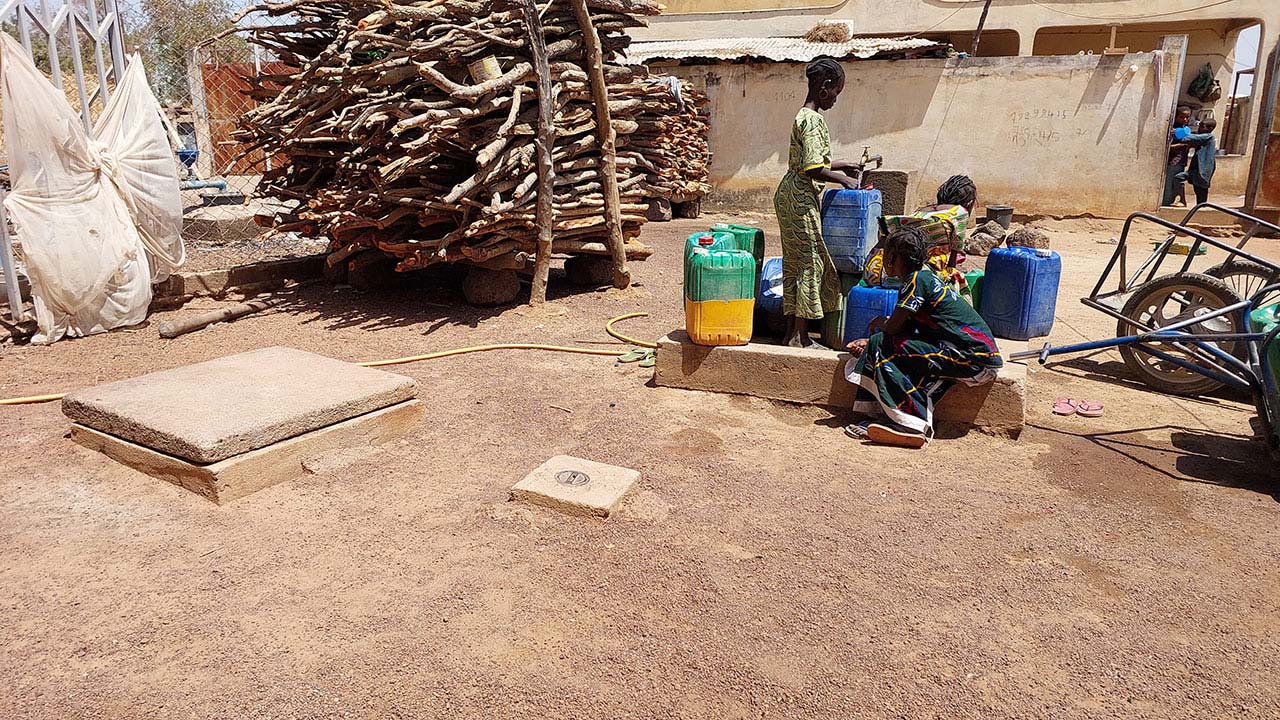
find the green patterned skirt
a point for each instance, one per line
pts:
(810, 284)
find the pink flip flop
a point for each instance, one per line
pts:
(1089, 409)
(1065, 406)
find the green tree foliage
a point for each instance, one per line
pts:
(165, 32)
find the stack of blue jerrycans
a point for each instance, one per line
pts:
(850, 228)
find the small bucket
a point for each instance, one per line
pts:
(484, 70)
(1002, 214)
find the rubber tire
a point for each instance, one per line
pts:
(488, 288)
(1247, 267)
(1134, 359)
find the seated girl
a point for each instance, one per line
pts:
(946, 223)
(933, 339)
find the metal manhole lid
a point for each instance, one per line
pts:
(573, 478)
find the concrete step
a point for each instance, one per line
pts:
(815, 376)
(1205, 218)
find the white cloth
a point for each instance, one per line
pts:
(99, 218)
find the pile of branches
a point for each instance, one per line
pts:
(397, 139)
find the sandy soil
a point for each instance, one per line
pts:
(765, 566)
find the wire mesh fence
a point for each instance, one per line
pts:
(201, 74)
(200, 63)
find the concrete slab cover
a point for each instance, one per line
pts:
(576, 486)
(213, 410)
(250, 472)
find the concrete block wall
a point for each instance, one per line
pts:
(1100, 122)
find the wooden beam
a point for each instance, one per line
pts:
(608, 138)
(544, 142)
(977, 35)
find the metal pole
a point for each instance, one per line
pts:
(977, 35)
(10, 269)
(116, 34)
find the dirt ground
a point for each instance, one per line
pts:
(764, 567)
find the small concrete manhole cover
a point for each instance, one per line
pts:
(572, 478)
(576, 486)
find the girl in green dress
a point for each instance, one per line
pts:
(810, 285)
(932, 340)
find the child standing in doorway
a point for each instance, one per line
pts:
(1203, 147)
(1174, 191)
(810, 284)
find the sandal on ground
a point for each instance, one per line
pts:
(633, 355)
(857, 430)
(1089, 409)
(1065, 406)
(899, 437)
(650, 359)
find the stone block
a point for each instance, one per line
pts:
(815, 376)
(219, 282)
(897, 189)
(576, 486)
(222, 224)
(659, 210)
(213, 410)
(997, 408)
(249, 472)
(808, 376)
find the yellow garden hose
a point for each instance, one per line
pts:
(482, 348)
(608, 327)
(31, 399)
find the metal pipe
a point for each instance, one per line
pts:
(1198, 369)
(221, 185)
(10, 270)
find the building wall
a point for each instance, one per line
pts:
(1211, 28)
(1208, 42)
(1100, 122)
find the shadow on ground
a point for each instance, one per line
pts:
(429, 299)
(1115, 372)
(1221, 459)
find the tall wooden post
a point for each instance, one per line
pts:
(977, 35)
(544, 142)
(608, 141)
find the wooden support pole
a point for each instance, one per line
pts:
(608, 139)
(977, 35)
(544, 142)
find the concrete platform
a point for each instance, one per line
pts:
(816, 377)
(212, 411)
(576, 486)
(249, 472)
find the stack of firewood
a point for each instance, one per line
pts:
(413, 127)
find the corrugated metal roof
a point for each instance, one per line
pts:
(781, 49)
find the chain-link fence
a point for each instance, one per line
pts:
(201, 73)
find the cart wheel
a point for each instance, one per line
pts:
(1245, 278)
(1168, 300)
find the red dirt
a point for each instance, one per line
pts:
(765, 566)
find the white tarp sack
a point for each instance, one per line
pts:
(100, 218)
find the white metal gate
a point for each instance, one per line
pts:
(88, 34)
